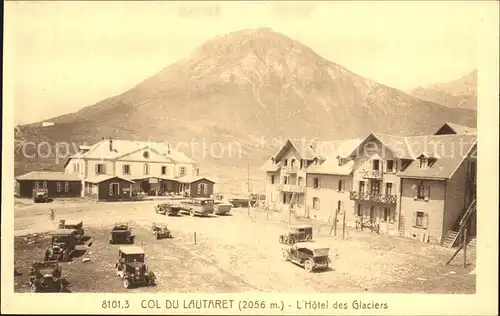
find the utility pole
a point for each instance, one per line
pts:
(248, 185)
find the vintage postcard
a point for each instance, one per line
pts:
(274, 158)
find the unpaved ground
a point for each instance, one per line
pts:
(236, 253)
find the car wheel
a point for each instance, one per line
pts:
(126, 283)
(191, 213)
(308, 265)
(291, 241)
(282, 239)
(309, 238)
(285, 255)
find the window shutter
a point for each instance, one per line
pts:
(103, 168)
(319, 204)
(199, 188)
(427, 193)
(97, 169)
(414, 219)
(205, 189)
(110, 189)
(425, 220)
(415, 193)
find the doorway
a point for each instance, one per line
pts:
(145, 186)
(115, 189)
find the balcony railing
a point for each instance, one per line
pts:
(292, 188)
(372, 174)
(373, 197)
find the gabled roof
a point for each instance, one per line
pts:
(104, 177)
(48, 176)
(270, 166)
(303, 148)
(447, 151)
(121, 147)
(135, 178)
(191, 179)
(394, 143)
(452, 128)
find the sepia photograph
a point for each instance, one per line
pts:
(266, 157)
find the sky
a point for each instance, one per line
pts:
(63, 56)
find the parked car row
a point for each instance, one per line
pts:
(194, 207)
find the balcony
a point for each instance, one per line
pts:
(372, 197)
(372, 174)
(292, 188)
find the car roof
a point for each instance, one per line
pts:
(120, 224)
(131, 250)
(301, 226)
(312, 245)
(65, 231)
(72, 222)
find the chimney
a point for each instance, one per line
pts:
(168, 149)
(110, 144)
(197, 172)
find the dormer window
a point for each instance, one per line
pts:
(424, 162)
(340, 161)
(376, 164)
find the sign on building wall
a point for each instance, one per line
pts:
(153, 180)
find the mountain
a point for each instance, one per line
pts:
(243, 86)
(460, 93)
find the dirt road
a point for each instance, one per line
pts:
(239, 253)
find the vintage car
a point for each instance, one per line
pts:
(310, 255)
(222, 208)
(161, 231)
(239, 201)
(73, 224)
(62, 246)
(121, 234)
(132, 269)
(297, 233)
(169, 209)
(46, 277)
(198, 206)
(40, 195)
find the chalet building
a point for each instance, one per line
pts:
(58, 184)
(421, 187)
(151, 167)
(105, 187)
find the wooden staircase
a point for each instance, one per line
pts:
(453, 235)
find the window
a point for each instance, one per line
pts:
(376, 164)
(100, 168)
(375, 187)
(389, 166)
(420, 219)
(44, 184)
(285, 162)
(301, 164)
(292, 164)
(183, 171)
(37, 185)
(146, 169)
(389, 215)
(316, 203)
(300, 180)
(388, 188)
(66, 186)
(205, 189)
(359, 210)
(423, 163)
(421, 190)
(163, 170)
(126, 169)
(201, 188)
(58, 186)
(340, 186)
(361, 186)
(273, 179)
(339, 206)
(285, 180)
(316, 183)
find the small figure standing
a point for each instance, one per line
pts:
(52, 216)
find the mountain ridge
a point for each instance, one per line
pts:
(245, 85)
